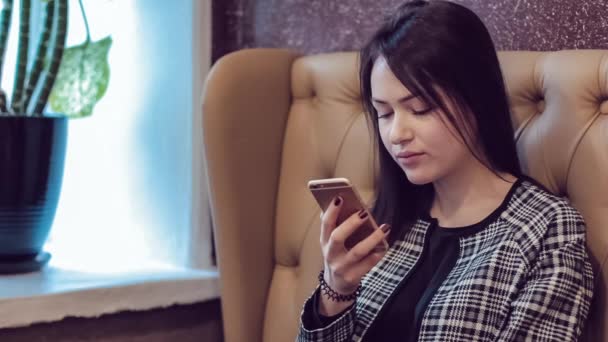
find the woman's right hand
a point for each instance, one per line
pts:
(344, 268)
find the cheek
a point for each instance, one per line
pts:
(384, 131)
(445, 142)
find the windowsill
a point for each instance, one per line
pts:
(56, 293)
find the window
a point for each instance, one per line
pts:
(133, 188)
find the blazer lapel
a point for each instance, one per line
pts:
(382, 281)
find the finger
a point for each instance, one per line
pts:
(329, 218)
(346, 228)
(368, 245)
(367, 263)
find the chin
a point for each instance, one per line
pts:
(419, 177)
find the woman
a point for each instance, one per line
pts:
(479, 252)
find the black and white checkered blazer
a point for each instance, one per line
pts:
(525, 277)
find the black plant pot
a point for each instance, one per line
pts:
(32, 154)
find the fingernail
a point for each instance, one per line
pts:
(362, 214)
(338, 200)
(386, 228)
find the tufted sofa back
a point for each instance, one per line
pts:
(273, 120)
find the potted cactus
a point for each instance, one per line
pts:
(32, 140)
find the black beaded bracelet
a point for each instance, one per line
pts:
(333, 295)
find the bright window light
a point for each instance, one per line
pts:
(126, 197)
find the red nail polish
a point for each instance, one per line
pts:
(338, 200)
(362, 214)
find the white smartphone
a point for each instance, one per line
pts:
(326, 190)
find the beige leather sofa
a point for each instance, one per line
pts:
(273, 120)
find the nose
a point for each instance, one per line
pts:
(401, 130)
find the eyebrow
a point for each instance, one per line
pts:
(401, 100)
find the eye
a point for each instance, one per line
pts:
(385, 115)
(422, 112)
(418, 106)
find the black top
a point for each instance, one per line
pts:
(402, 314)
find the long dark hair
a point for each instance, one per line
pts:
(431, 46)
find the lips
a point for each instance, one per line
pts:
(410, 159)
(408, 154)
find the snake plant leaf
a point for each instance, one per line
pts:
(82, 79)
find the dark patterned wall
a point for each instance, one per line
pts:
(312, 26)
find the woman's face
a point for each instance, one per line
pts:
(426, 147)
